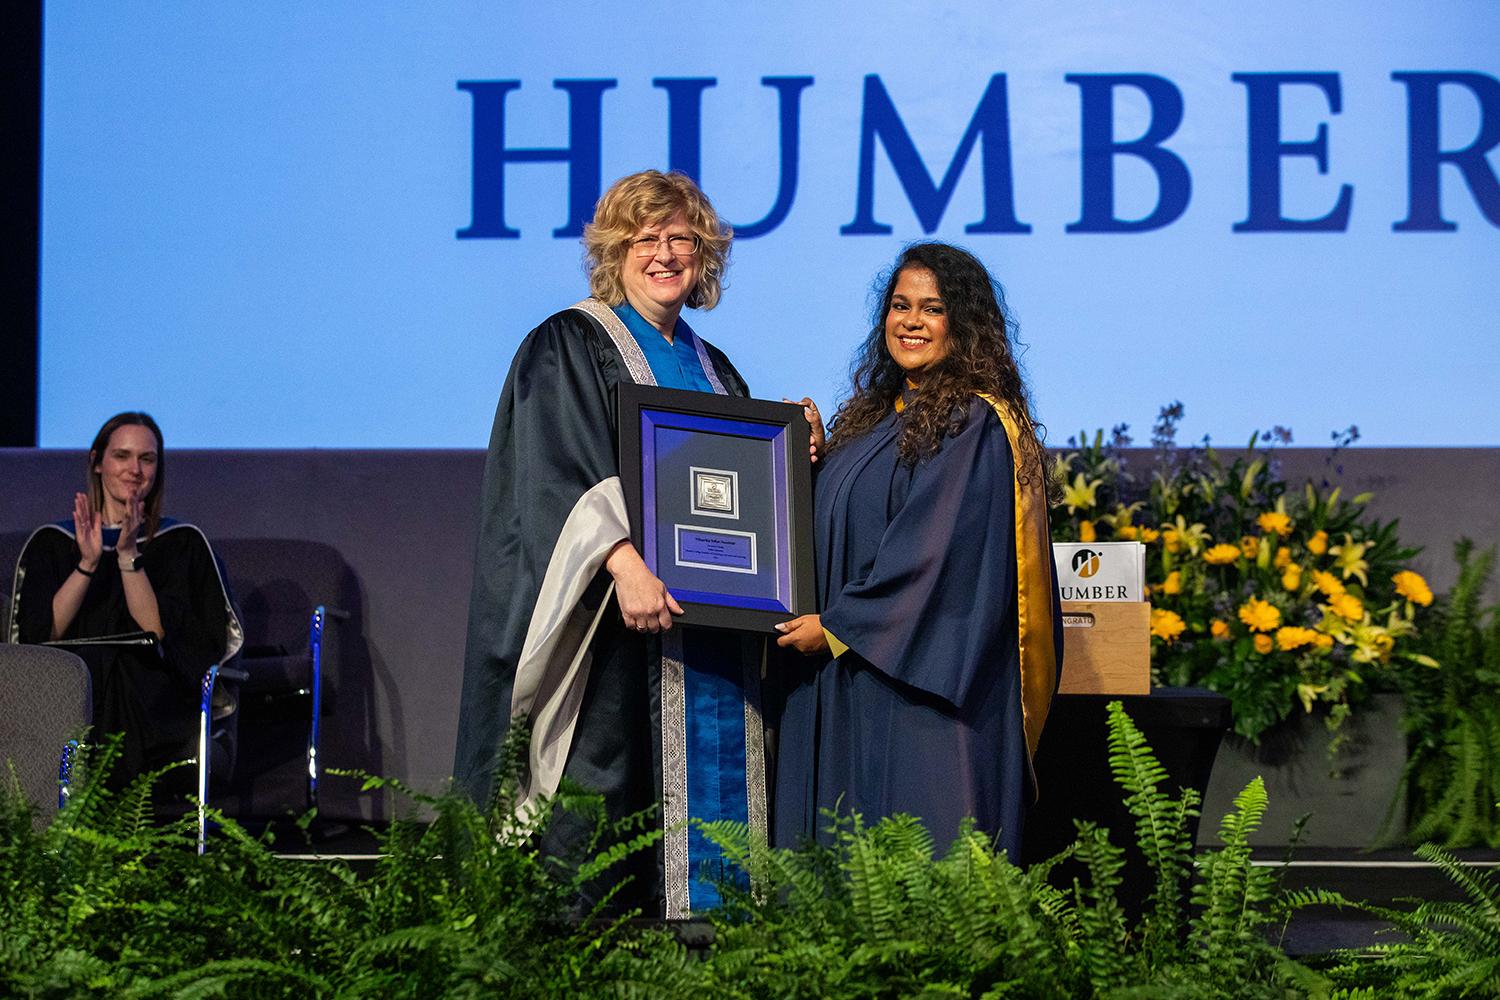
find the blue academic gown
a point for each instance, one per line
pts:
(670, 721)
(711, 658)
(917, 576)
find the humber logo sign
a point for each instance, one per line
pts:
(1085, 563)
(1269, 144)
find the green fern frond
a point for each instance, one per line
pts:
(1101, 919)
(1161, 824)
(213, 978)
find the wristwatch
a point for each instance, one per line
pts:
(130, 564)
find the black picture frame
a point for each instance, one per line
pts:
(745, 523)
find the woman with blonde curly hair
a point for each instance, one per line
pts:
(932, 666)
(568, 628)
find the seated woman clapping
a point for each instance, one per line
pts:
(138, 596)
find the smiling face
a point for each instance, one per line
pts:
(127, 465)
(658, 285)
(916, 324)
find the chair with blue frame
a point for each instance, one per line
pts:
(288, 592)
(46, 702)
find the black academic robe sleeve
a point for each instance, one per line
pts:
(937, 607)
(191, 600)
(190, 597)
(149, 693)
(553, 440)
(46, 561)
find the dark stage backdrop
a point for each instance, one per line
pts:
(285, 224)
(405, 523)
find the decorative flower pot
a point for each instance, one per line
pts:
(1348, 795)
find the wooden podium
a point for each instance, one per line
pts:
(1106, 647)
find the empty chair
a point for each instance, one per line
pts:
(45, 701)
(290, 594)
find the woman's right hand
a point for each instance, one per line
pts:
(88, 531)
(645, 603)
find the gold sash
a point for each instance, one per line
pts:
(1034, 608)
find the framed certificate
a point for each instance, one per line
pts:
(719, 492)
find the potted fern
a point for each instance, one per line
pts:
(1452, 720)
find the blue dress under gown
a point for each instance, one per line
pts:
(917, 575)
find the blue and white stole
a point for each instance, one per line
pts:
(712, 739)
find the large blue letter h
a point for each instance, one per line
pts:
(581, 154)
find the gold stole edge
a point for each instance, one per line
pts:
(1034, 605)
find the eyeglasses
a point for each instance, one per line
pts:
(677, 246)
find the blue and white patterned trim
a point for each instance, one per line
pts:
(708, 366)
(635, 358)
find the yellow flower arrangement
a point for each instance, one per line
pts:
(1327, 583)
(1081, 493)
(1180, 535)
(1167, 625)
(1371, 643)
(1222, 554)
(1412, 587)
(1347, 607)
(1308, 693)
(1275, 521)
(1290, 637)
(1308, 595)
(1259, 615)
(1350, 559)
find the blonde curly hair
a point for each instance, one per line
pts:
(640, 201)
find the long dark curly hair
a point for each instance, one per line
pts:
(980, 359)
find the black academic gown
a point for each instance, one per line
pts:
(149, 693)
(918, 577)
(552, 456)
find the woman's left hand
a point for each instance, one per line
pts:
(804, 634)
(129, 525)
(815, 419)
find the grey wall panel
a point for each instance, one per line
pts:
(405, 523)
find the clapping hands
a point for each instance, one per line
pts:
(134, 516)
(88, 530)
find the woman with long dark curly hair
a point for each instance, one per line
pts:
(932, 666)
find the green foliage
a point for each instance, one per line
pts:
(103, 903)
(1452, 949)
(1452, 717)
(868, 912)
(871, 913)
